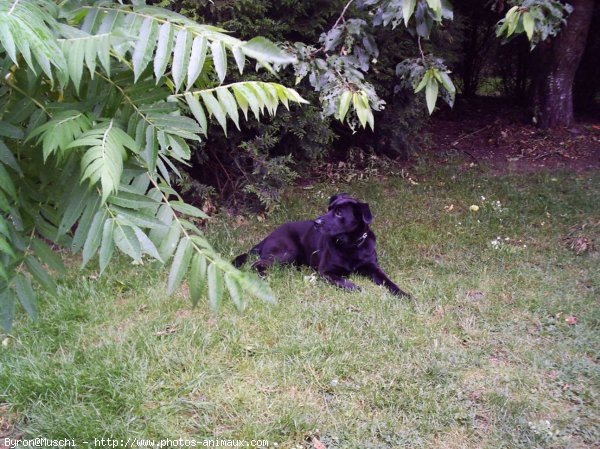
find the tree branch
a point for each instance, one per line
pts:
(421, 48)
(341, 17)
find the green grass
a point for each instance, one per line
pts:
(483, 358)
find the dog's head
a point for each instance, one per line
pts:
(345, 215)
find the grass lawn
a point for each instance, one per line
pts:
(500, 348)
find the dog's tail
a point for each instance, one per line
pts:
(242, 258)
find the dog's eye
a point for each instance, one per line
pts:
(338, 213)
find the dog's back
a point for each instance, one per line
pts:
(289, 243)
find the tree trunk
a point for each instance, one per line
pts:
(558, 60)
(470, 57)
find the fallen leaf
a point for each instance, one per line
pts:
(317, 443)
(449, 208)
(167, 331)
(474, 207)
(580, 244)
(571, 320)
(475, 295)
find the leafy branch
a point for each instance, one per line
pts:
(87, 156)
(538, 19)
(349, 49)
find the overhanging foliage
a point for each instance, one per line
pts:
(89, 133)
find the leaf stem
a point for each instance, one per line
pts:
(421, 48)
(183, 229)
(221, 33)
(337, 22)
(12, 8)
(26, 250)
(213, 89)
(25, 94)
(126, 97)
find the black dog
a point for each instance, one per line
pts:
(335, 244)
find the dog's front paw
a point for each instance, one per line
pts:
(397, 291)
(403, 294)
(340, 282)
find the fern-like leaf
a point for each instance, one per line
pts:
(27, 28)
(59, 132)
(168, 37)
(224, 101)
(104, 156)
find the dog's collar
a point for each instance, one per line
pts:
(359, 242)
(362, 239)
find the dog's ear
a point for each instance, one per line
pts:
(366, 213)
(336, 197)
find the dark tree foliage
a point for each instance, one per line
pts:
(475, 23)
(484, 64)
(587, 80)
(255, 162)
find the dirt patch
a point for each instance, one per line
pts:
(490, 133)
